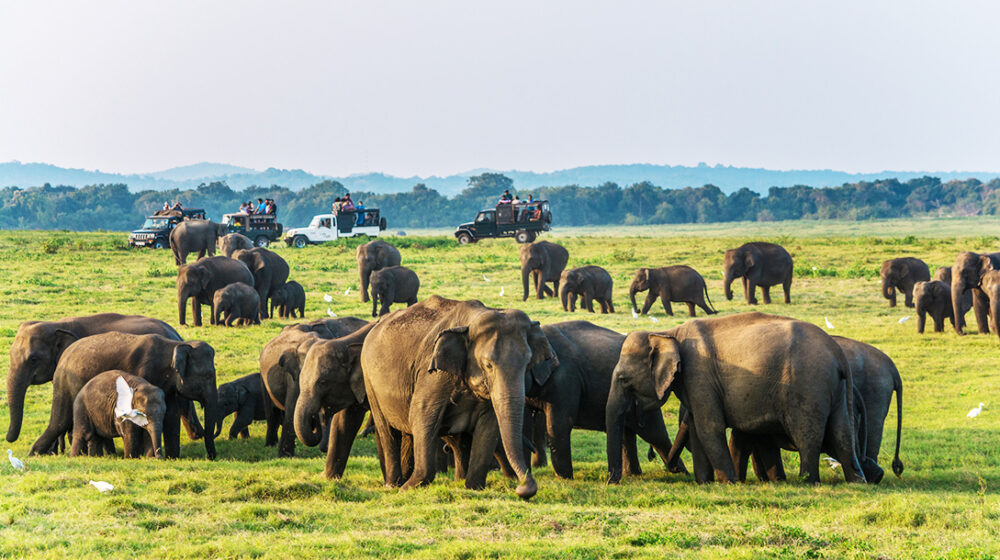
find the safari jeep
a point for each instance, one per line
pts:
(522, 221)
(262, 229)
(331, 227)
(155, 231)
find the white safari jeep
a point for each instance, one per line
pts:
(331, 227)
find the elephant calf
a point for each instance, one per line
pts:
(589, 283)
(943, 274)
(95, 420)
(229, 244)
(679, 283)
(393, 284)
(236, 301)
(933, 298)
(902, 274)
(244, 397)
(758, 264)
(289, 298)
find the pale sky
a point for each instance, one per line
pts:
(442, 87)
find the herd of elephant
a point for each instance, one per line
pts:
(456, 384)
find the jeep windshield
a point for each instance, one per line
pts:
(155, 223)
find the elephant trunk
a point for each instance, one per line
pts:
(524, 282)
(212, 418)
(889, 292)
(307, 425)
(631, 296)
(155, 431)
(564, 296)
(727, 282)
(956, 302)
(365, 273)
(618, 403)
(182, 297)
(17, 387)
(921, 315)
(509, 407)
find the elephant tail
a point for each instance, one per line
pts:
(704, 287)
(897, 465)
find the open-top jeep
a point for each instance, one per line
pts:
(155, 231)
(522, 221)
(330, 227)
(262, 229)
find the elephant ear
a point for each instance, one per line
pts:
(904, 271)
(357, 380)
(451, 351)
(985, 264)
(665, 362)
(62, 338)
(543, 357)
(749, 260)
(643, 275)
(182, 356)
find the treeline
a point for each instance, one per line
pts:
(114, 207)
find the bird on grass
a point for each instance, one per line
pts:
(330, 312)
(485, 278)
(654, 319)
(101, 485)
(14, 461)
(501, 291)
(829, 325)
(634, 314)
(347, 291)
(123, 407)
(327, 298)
(832, 463)
(904, 319)
(972, 413)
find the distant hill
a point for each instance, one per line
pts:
(727, 178)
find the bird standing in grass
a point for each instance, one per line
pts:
(101, 485)
(972, 413)
(14, 461)
(829, 325)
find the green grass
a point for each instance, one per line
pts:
(250, 504)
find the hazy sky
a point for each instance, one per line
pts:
(440, 87)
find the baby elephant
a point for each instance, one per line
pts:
(934, 298)
(290, 297)
(229, 244)
(393, 284)
(590, 283)
(237, 301)
(244, 397)
(679, 283)
(116, 403)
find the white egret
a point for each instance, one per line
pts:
(485, 278)
(123, 407)
(829, 325)
(347, 291)
(634, 314)
(330, 312)
(327, 298)
(14, 461)
(654, 319)
(101, 485)
(501, 291)
(972, 413)
(904, 319)
(832, 463)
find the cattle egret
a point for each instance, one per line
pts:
(904, 319)
(501, 291)
(327, 298)
(829, 325)
(101, 485)
(347, 291)
(832, 463)
(123, 407)
(972, 413)
(330, 312)
(654, 319)
(14, 461)
(485, 278)
(634, 314)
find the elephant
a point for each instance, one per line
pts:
(280, 366)
(195, 236)
(246, 398)
(199, 282)
(901, 274)
(372, 256)
(446, 367)
(38, 346)
(966, 275)
(760, 374)
(758, 264)
(990, 286)
(182, 369)
(393, 284)
(576, 396)
(95, 420)
(545, 262)
(236, 301)
(943, 274)
(331, 384)
(590, 283)
(679, 283)
(934, 298)
(289, 298)
(269, 270)
(229, 244)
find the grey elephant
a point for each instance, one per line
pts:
(280, 365)
(990, 286)
(758, 264)
(756, 373)
(451, 367)
(246, 398)
(373, 256)
(96, 424)
(576, 396)
(38, 345)
(393, 284)
(679, 283)
(269, 270)
(901, 274)
(182, 369)
(331, 384)
(199, 282)
(589, 283)
(230, 243)
(195, 236)
(943, 274)
(544, 262)
(289, 298)
(236, 302)
(933, 298)
(966, 276)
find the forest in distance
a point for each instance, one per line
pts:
(113, 207)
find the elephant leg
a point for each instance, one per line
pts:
(343, 429)
(558, 428)
(654, 432)
(485, 439)
(189, 417)
(172, 429)
(459, 457)
(95, 447)
(324, 424)
(711, 429)
(272, 416)
(786, 286)
(981, 306)
(938, 322)
(842, 441)
(691, 310)
(196, 311)
(681, 441)
(60, 423)
(908, 296)
(500, 460)
(536, 277)
(443, 459)
(631, 465)
(808, 439)
(668, 308)
(751, 292)
(243, 419)
(388, 440)
(765, 292)
(286, 443)
(703, 472)
(648, 304)
(425, 420)
(536, 425)
(130, 447)
(767, 462)
(406, 455)
(739, 449)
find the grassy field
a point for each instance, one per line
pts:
(250, 504)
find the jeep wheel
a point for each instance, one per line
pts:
(532, 235)
(261, 241)
(464, 238)
(522, 237)
(300, 241)
(159, 243)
